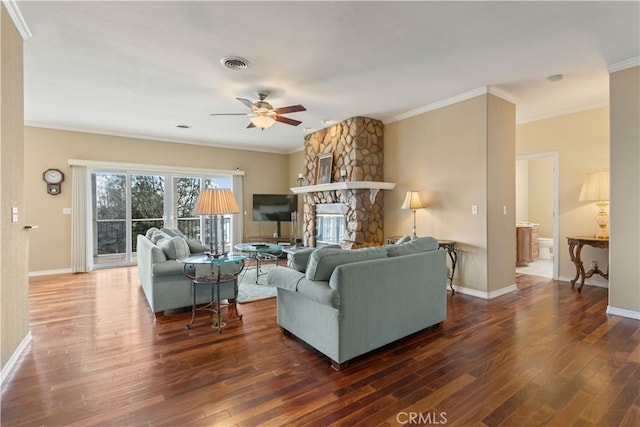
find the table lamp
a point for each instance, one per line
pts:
(214, 202)
(412, 201)
(596, 189)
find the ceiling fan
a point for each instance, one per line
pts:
(263, 115)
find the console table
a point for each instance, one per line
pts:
(234, 263)
(448, 245)
(575, 248)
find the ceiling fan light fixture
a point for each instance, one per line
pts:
(262, 122)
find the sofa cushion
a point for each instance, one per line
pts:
(174, 247)
(420, 244)
(324, 260)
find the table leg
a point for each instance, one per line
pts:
(453, 255)
(574, 251)
(193, 306)
(217, 287)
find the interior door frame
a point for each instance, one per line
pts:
(555, 155)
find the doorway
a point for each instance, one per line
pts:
(537, 204)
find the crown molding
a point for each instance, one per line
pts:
(493, 90)
(565, 112)
(623, 65)
(146, 137)
(17, 18)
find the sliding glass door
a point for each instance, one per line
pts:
(128, 203)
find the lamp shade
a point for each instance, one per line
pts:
(412, 201)
(216, 201)
(595, 187)
(262, 121)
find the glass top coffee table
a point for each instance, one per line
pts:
(261, 253)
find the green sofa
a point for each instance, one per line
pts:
(162, 277)
(345, 303)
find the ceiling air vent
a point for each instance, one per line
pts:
(235, 63)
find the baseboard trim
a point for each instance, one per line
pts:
(50, 272)
(8, 368)
(592, 281)
(485, 295)
(623, 312)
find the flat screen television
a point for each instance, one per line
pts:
(274, 207)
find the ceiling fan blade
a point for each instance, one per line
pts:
(228, 114)
(290, 109)
(246, 102)
(287, 120)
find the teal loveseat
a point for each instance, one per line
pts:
(345, 303)
(162, 277)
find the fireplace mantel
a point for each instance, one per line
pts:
(372, 186)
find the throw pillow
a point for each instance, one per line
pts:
(174, 247)
(158, 235)
(403, 239)
(196, 247)
(173, 232)
(420, 244)
(324, 260)
(150, 232)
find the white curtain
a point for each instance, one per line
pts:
(80, 210)
(238, 223)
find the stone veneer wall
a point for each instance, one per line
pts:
(357, 147)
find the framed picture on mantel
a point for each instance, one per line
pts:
(323, 168)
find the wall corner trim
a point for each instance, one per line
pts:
(17, 18)
(11, 363)
(623, 65)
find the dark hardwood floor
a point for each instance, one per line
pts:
(543, 355)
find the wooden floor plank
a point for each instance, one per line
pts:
(542, 355)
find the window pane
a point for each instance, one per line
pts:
(187, 190)
(110, 217)
(147, 204)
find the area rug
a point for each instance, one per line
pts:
(249, 291)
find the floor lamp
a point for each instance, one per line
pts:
(412, 201)
(214, 202)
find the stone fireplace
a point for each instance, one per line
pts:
(357, 148)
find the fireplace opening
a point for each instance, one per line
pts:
(330, 223)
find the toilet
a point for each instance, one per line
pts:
(546, 247)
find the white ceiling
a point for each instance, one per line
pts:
(141, 68)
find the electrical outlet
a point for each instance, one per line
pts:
(593, 263)
(504, 209)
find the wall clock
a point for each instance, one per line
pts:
(53, 178)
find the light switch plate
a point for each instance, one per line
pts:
(474, 209)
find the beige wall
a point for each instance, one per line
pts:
(501, 193)
(48, 148)
(296, 166)
(624, 289)
(540, 194)
(14, 317)
(582, 141)
(444, 155)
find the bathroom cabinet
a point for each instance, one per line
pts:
(528, 247)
